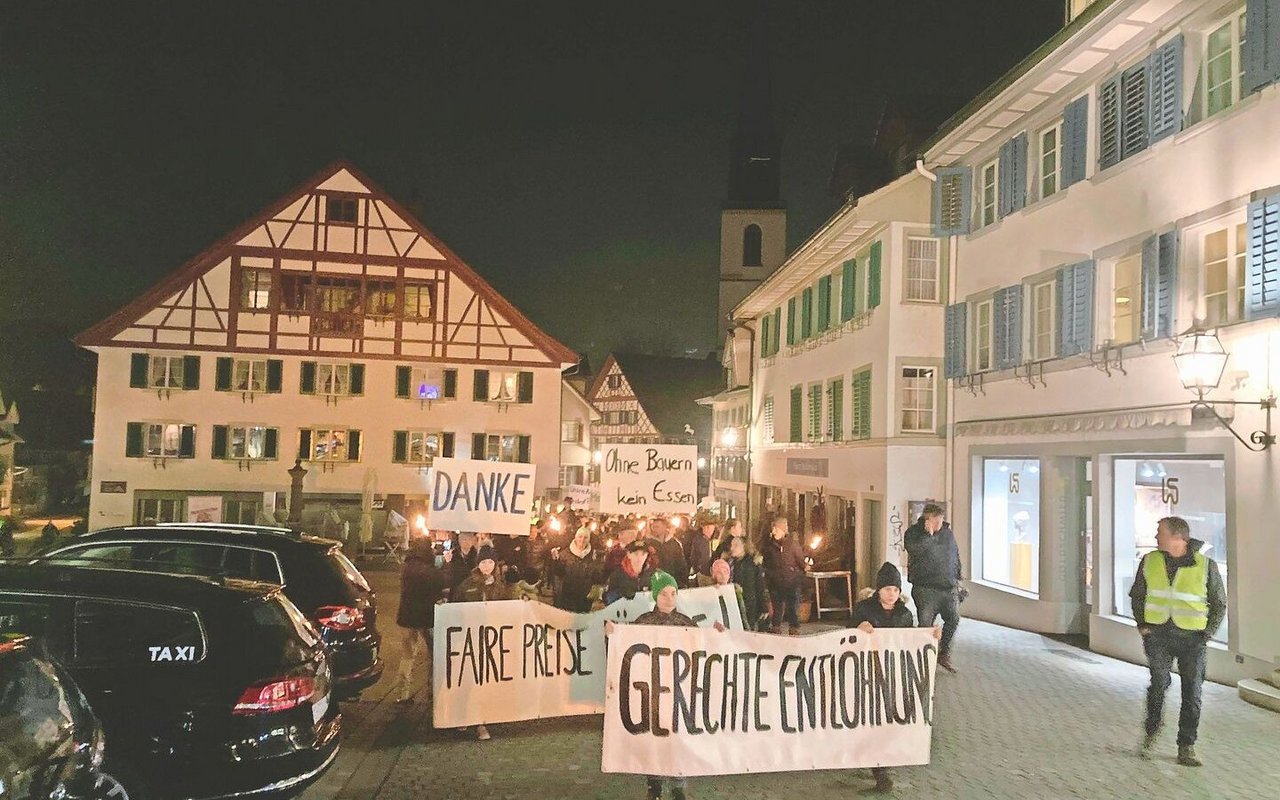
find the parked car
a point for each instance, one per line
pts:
(205, 687)
(315, 573)
(51, 744)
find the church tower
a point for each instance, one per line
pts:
(753, 221)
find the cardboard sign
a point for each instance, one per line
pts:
(584, 497)
(687, 701)
(513, 659)
(480, 496)
(649, 479)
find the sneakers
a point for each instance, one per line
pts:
(482, 733)
(1148, 745)
(945, 663)
(1187, 756)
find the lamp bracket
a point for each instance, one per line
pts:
(1259, 440)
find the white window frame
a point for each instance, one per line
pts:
(921, 272)
(501, 441)
(1235, 24)
(247, 432)
(503, 383)
(984, 335)
(254, 371)
(333, 380)
(425, 378)
(161, 432)
(424, 457)
(988, 214)
(766, 420)
(1135, 301)
(170, 374)
(571, 431)
(1055, 173)
(1042, 313)
(255, 289)
(918, 409)
(1237, 246)
(329, 455)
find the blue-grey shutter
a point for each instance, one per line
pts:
(1135, 118)
(1150, 286)
(1012, 194)
(1075, 140)
(1262, 44)
(1167, 310)
(1075, 308)
(1164, 93)
(951, 201)
(955, 329)
(1109, 122)
(1007, 310)
(1262, 283)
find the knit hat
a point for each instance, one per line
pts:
(660, 581)
(718, 566)
(888, 575)
(484, 553)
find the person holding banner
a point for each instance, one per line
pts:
(483, 586)
(885, 609)
(785, 568)
(577, 569)
(632, 575)
(746, 573)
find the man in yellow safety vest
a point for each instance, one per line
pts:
(1179, 602)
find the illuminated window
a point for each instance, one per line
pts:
(919, 399)
(982, 336)
(1223, 65)
(247, 442)
(249, 375)
(1224, 274)
(1043, 320)
(380, 299)
(922, 269)
(166, 372)
(419, 301)
(1126, 299)
(164, 439)
(255, 290)
(333, 379)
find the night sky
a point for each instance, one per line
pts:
(574, 153)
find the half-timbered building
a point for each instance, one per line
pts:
(333, 329)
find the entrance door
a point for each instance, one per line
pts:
(874, 554)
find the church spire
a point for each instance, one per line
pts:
(755, 167)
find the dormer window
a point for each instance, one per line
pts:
(341, 209)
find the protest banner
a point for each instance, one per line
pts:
(684, 701)
(584, 496)
(511, 660)
(649, 478)
(488, 496)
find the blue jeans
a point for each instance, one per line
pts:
(930, 603)
(1162, 650)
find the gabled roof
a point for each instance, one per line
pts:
(101, 334)
(668, 389)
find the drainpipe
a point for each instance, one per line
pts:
(751, 407)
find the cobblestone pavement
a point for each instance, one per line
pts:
(1027, 717)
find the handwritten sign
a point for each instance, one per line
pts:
(480, 496)
(649, 479)
(584, 496)
(687, 701)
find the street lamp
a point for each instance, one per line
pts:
(1200, 360)
(729, 437)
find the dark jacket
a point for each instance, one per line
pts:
(421, 587)
(656, 617)
(622, 585)
(783, 562)
(478, 589)
(577, 576)
(934, 559)
(870, 610)
(749, 576)
(460, 566)
(698, 553)
(671, 559)
(1217, 593)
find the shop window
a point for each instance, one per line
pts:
(1147, 489)
(1011, 522)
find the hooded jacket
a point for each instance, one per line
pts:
(934, 558)
(1217, 593)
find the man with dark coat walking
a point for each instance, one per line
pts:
(784, 568)
(934, 570)
(422, 586)
(698, 551)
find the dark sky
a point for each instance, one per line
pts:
(574, 153)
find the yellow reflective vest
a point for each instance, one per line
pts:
(1185, 601)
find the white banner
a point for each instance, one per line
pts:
(649, 479)
(683, 702)
(481, 496)
(204, 508)
(584, 497)
(513, 659)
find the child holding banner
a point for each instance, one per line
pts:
(482, 586)
(885, 609)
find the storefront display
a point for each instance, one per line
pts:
(1011, 522)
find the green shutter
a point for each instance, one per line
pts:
(824, 303)
(353, 445)
(271, 443)
(446, 445)
(525, 388)
(307, 379)
(139, 370)
(522, 449)
(304, 444)
(477, 446)
(400, 447)
(873, 277)
(187, 441)
(836, 412)
(861, 427)
(357, 379)
(403, 376)
(797, 410)
(275, 375)
(133, 439)
(450, 384)
(219, 442)
(777, 330)
(190, 372)
(846, 291)
(222, 374)
(764, 336)
(791, 320)
(480, 388)
(806, 313)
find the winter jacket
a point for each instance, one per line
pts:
(460, 566)
(577, 575)
(621, 584)
(870, 610)
(656, 617)
(671, 559)
(699, 553)
(934, 559)
(783, 563)
(749, 577)
(1217, 594)
(477, 588)
(421, 587)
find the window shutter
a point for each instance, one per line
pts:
(133, 439)
(1007, 309)
(1159, 285)
(357, 379)
(1109, 122)
(446, 445)
(797, 410)
(219, 442)
(522, 449)
(956, 330)
(190, 372)
(480, 389)
(951, 201)
(304, 444)
(873, 277)
(764, 336)
(777, 330)
(275, 375)
(271, 443)
(1262, 282)
(846, 291)
(1165, 89)
(400, 447)
(353, 445)
(862, 405)
(837, 410)
(222, 374)
(524, 391)
(477, 446)
(1150, 285)
(187, 441)
(1261, 46)
(450, 389)
(824, 303)
(791, 321)
(403, 376)
(1075, 308)
(1012, 190)
(1075, 140)
(139, 369)
(806, 313)
(1135, 115)
(307, 379)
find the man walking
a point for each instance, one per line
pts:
(934, 569)
(784, 568)
(1179, 602)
